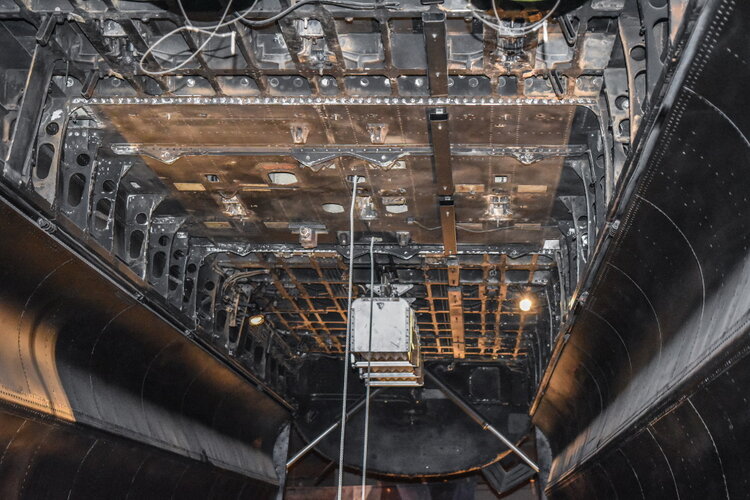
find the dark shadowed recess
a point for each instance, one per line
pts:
(122, 368)
(46, 458)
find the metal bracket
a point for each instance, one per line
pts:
(308, 233)
(378, 132)
(557, 82)
(89, 85)
(46, 29)
(382, 157)
(299, 133)
(568, 31)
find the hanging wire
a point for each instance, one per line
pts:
(240, 17)
(369, 367)
(511, 31)
(339, 3)
(189, 27)
(463, 228)
(347, 340)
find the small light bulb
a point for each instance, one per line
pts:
(525, 304)
(257, 320)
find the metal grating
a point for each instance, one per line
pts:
(309, 293)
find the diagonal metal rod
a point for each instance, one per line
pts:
(471, 412)
(326, 432)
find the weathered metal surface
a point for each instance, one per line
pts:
(402, 192)
(644, 397)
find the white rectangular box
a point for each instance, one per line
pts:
(388, 353)
(393, 326)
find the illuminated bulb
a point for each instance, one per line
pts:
(257, 320)
(525, 305)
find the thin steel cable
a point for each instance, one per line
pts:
(369, 367)
(347, 341)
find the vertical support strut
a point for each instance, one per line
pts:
(456, 308)
(433, 24)
(441, 157)
(17, 167)
(448, 223)
(441, 146)
(280, 451)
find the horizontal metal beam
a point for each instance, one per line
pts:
(345, 101)
(405, 252)
(315, 155)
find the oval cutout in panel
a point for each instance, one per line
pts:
(136, 243)
(158, 263)
(397, 209)
(333, 208)
(44, 156)
(282, 178)
(109, 186)
(76, 185)
(101, 214)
